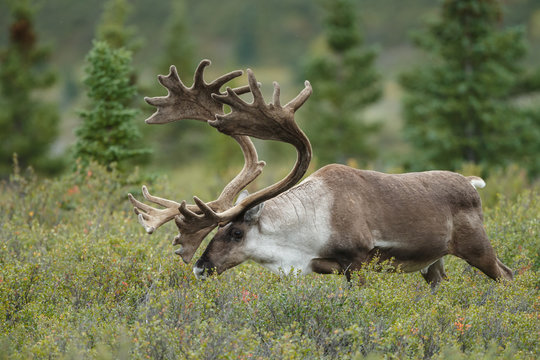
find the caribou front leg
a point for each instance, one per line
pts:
(434, 273)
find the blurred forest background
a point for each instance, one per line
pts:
(287, 41)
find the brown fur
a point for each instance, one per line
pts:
(425, 215)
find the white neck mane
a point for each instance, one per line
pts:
(291, 232)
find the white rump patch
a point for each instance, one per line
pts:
(478, 183)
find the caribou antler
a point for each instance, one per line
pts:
(151, 218)
(192, 234)
(264, 121)
(194, 230)
(197, 103)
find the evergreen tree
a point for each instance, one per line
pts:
(28, 125)
(459, 105)
(107, 133)
(344, 83)
(113, 28)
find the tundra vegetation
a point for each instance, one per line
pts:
(80, 279)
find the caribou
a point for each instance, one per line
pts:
(335, 220)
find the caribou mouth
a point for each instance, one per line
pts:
(199, 273)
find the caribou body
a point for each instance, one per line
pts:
(340, 218)
(335, 220)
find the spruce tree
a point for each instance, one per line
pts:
(107, 133)
(344, 83)
(28, 124)
(113, 28)
(459, 104)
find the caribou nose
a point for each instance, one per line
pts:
(202, 268)
(199, 272)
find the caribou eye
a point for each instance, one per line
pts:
(237, 234)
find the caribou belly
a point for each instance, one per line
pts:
(408, 258)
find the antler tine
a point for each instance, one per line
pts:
(172, 81)
(198, 77)
(157, 200)
(231, 98)
(223, 79)
(151, 218)
(190, 239)
(193, 228)
(189, 217)
(301, 98)
(255, 90)
(276, 94)
(242, 90)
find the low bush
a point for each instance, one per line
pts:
(79, 279)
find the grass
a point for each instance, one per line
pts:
(80, 279)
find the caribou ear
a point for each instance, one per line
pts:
(252, 215)
(243, 194)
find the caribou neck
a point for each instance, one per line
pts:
(293, 228)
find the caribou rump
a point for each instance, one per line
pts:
(336, 220)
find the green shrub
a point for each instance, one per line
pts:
(107, 133)
(80, 279)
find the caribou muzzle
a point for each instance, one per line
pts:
(203, 268)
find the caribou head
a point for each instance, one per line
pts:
(335, 220)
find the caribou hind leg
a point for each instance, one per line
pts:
(470, 242)
(490, 265)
